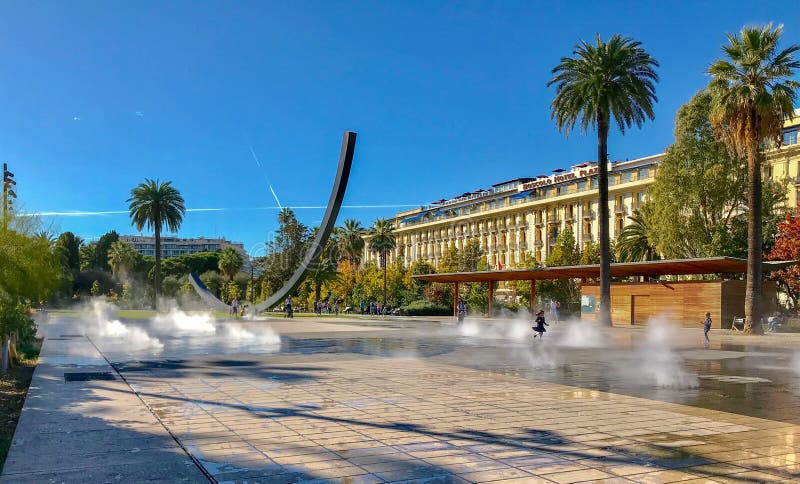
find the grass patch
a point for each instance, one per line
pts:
(136, 313)
(13, 389)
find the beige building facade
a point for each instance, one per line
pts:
(525, 215)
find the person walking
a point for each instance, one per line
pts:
(235, 307)
(289, 311)
(707, 327)
(554, 305)
(540, 324)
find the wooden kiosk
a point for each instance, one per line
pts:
(633, 303)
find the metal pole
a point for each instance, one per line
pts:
(252, 284)
(491, 298)
(455, 299)
(5, 198)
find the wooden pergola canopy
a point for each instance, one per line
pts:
(710, 265)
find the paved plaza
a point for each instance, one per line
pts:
(409, 400)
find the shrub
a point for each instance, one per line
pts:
(425, 308)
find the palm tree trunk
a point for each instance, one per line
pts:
(602, 216)
(157, 273)
(752, 299)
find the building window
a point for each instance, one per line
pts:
(644, 173)
(594, 182)
(626, 177)
(581, 186)
(790, 137)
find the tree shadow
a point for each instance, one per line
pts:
(75, 432)
(539, 447)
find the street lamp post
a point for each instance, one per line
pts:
(8, 193)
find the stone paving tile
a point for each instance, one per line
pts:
(578, 476)
(496, 475)
(406, 418)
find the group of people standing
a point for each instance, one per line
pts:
(321, 307)
(373, 308)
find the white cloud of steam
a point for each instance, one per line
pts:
(517, 329)
(656, 362)
(184, 323)
(103, 324)
(577, 333)
(264, 336)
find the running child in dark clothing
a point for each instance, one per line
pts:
(540, 324)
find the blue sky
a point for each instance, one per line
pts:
(445, 96)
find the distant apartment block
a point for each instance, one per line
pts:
(173, 246)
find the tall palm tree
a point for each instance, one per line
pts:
(230, 262)
(633, 243)
(121, 257)
(752, 93)
(382, 239)
(351, 240)
(323, 271)
(156, 205)
(604, 80)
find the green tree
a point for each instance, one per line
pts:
(29, 271)
(230, 262)
(633, 243)
(698, 200)
(122, 258)
(186, 264)
(101, 249)
(67, 248)
(523, 288)
(232, 291)
(470, 256)
(449, 260)
(213, 281)
(170, 286)
(590, 254)
(156, 205)
(351, 240)
(752, 93)
(87, 256)
(566, 291)
(284, 253)
(608, 79)
(96, 290)
(322, 272)
(382, 239)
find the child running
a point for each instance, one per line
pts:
(540, 324)
(707, 327)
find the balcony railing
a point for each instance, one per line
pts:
(590, 185)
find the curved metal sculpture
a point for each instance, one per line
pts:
(318, 245)
(207, 295)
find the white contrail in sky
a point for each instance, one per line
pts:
(85, 213)
(253, 152)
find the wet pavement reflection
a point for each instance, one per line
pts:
(748, 379)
